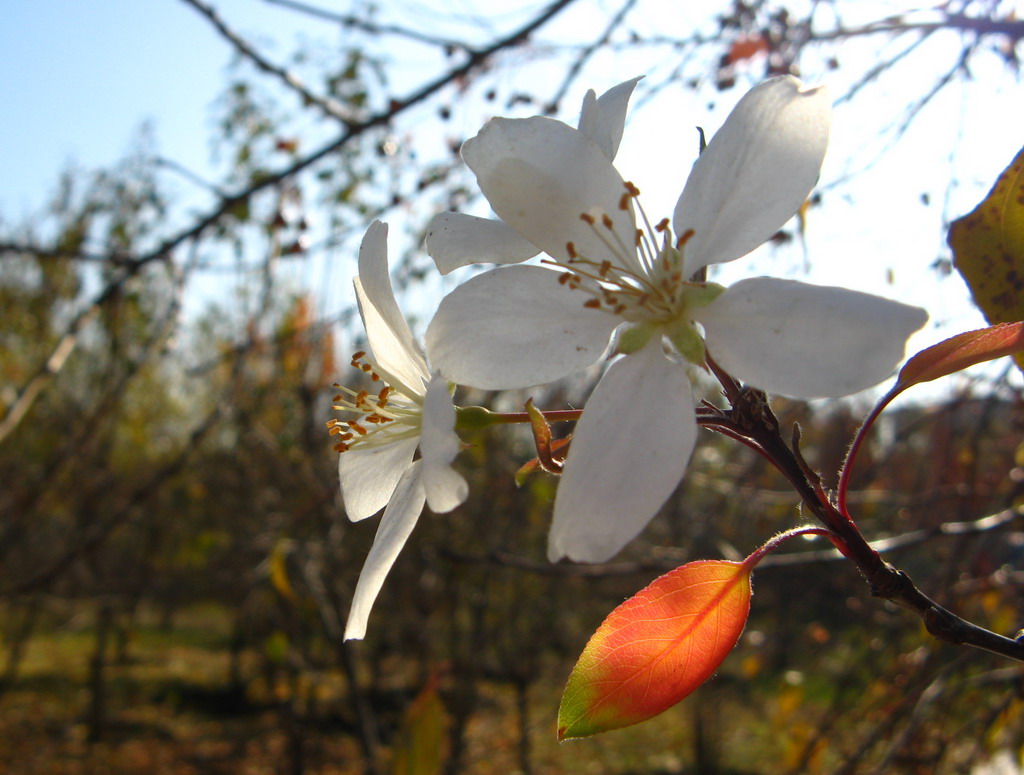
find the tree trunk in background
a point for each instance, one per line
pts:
(96, 719)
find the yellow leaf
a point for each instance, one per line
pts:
(988, 249)
(278, 570)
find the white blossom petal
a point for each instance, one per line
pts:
(396, 525)
(806, 341)
(396, 353)
(515, 327)
(439, 445)
(603, 118)
(628, 453)
(455, 240)
(369, 475)
(755, 173)
(540, 175)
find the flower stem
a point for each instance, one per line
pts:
(777, 540)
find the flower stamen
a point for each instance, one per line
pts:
(387, 408)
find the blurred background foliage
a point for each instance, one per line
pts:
(175, 561)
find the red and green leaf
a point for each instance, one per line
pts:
(960, 352)
(657, 647)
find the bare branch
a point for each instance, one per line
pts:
(19, 249)
(584, 56)
(331, 108)
(355, 129)
(353, 22)
(1012, 28)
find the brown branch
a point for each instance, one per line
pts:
(17, 249)
(886, 581)
(30, 391)
(587, 52)
(353, 22)
(329, 107)
(356, 128)
(1012, 28)
(901, 541)
(661, 564)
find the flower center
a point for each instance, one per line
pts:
(644, 282)
(381, 418)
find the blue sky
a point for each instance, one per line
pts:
(77, 79)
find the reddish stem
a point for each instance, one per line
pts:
(557, 415)
(777, 540)
(858, 440)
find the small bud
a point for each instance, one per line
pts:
(474, 418)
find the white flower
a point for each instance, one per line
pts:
(411, 409)
(455, 239)
(555, 188)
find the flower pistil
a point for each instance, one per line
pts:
(646, 285)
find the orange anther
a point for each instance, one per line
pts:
(587, 218)
(684, 238)
(607, 221)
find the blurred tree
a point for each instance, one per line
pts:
(166, 365)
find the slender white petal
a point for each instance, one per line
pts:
(603, 118)
(439, 445)
(455, 240)
(396, 353)
(369, 475)
(377, 290)
(755, 173)
(515, 327)
(395, 526)
(399, 361)
(540, 175)
(628, 454)
(807, 341)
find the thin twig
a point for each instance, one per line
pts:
(355, 23)
(329, 107)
